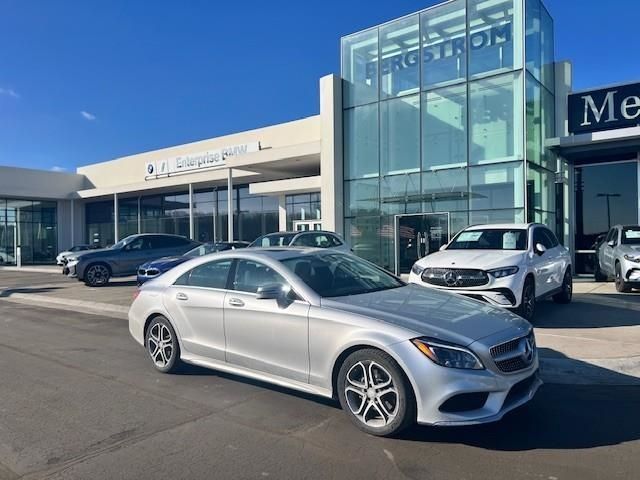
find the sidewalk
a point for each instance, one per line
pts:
(593, 340)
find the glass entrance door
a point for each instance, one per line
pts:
(606, 194)
(417, 236)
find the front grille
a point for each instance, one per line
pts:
(455, 277)
(151, 272)
(516, 354)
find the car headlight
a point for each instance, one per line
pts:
(417, 269)
(448, 355)
(503, 272)
(632, 258)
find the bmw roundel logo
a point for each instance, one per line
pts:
(150, 168)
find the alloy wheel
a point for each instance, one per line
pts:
(160, 345)
(371, 394)
(98, 275)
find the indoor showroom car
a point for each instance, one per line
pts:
(332, 324)
(618, 256)
(507, 265)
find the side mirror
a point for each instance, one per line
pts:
(443, 247)
(540, 249)
(272, 291)
(611, 243)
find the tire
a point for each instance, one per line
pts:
(564, 296)
(375, 393)
(97, 275)
(527, 308)
(598, 275)
(162, 346)
(621, 285)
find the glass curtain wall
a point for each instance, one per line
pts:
(254, 215)
(31, 225)
(302, 206)
(434, 119)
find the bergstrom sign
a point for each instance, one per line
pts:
(197, 161)
(604, 109)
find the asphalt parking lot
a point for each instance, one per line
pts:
(81, 400)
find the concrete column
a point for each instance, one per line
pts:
(191, 224)
(331, 192)
(282, 213)
(230, 204)
(115, 217)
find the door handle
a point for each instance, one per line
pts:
(236, 302)
(181, 296)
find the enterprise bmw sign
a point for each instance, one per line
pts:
(197, 161)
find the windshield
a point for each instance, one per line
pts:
(631, 236)
(336, 275)
(122, 242)
(204, 249)
(273, 240)
(490, 239)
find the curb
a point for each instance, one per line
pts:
(94, 308)
(52, 271)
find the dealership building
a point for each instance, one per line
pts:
(458, 114)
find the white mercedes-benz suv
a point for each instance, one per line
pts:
(508, 265)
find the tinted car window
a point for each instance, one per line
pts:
(208, 275)
(168, 242)
(539, 236)
(273, 240)
(138, 244)
(252, 275)
(490, 239)
(319, 240)
(551, 238)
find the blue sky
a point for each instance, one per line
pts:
(83, 81)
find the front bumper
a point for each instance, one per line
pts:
(436, 386)
(630, 271)
(503, 292)
(71, 269)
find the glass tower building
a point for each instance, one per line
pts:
(445, 116)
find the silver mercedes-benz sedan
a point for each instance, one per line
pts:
(332, 324)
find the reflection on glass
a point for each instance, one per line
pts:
(541, 186)
(362, 197)
(400, 53)
(494, 36)
(401, 194)
(360, 68)
(361, 142)
(444, 44)
(496, 186)
(400, 135)
(496, 119)
(445, 190)
(30, 225)
(496, 216)
(444, 125)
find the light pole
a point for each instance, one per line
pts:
(608, 196)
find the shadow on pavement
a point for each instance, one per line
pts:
(559, 417)
(590, 311)
(33, 290)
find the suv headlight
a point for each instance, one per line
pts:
(417, 269)
(448, 355)
(503, 272)
(632, 258)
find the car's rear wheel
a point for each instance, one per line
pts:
(598, 274)
(621, 285)
(97, 275)
(375, 393)
(564, 296)
(162, 345)
(527, 308)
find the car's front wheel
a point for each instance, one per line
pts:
(375, 393)
(162, 345)
(566, 292)
(527, 308)
(97, 275)
(621, 285)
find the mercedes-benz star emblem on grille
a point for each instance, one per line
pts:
(450, 278)
(527, 350)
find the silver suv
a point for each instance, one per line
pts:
(619, 257)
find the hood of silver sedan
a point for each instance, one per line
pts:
(430, 312)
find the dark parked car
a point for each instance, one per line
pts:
(157, 267)
(96, 267)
